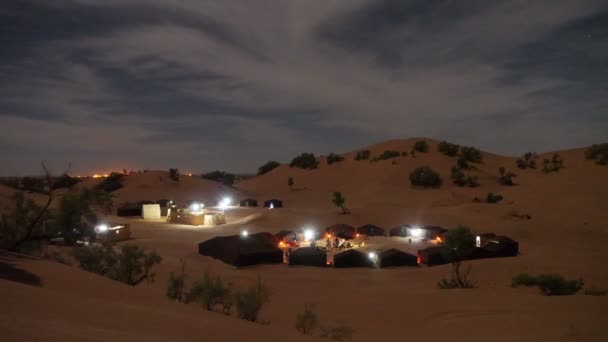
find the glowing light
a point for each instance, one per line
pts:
(281, 244)
(100, 176)
(309, 234)
(225, 202)
(477, 241)
(244, 233)
(416, 232)
(271, 206)
(357, 235)
(372, 256)
(102, 228)
(196, 207)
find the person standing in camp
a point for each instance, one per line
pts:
(328, 243)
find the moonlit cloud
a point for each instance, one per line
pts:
(235, 84)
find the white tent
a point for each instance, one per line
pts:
(150, 211)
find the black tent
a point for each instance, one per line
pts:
(398, 231)
(352, 258)
(250, 202)
(286, 236)
(395, 257)
(433, 255)
(502, 246)
(433, 232)
(370, 230)
(308, 256)
(243, 251)
(341, 230)
(275, 203)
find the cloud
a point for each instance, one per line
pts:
(287, 76)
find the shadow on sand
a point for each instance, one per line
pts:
(9, 271)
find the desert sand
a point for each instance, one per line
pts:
(567, 234)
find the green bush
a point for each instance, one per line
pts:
(421, 146)
(388, 154)
(527, 161)
(460, 179)
(471, 154)
(131, 266)
(250, 302)
(334, 158)
(339, 332)
(506, 177)
(596, 292)
(556, 285)
(305, 161)
(524, 279)
(448, 149)
(174, 174)
(598, 152)
(306, 321)
(493, 198)
(362, 155)
(554, 164)
(269, 166)
(425, 177)
(220, 176)
(448, 284)
(210, 292)
(462, 164)
(176, 284)
(458, 245)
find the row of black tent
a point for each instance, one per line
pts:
(250, 202)
(348, 232)
(261, 248)
(495, 247)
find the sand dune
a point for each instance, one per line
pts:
(567, 234)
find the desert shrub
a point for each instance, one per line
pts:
(458, 245)
(338, 332)
(527, 161)
(174, 174)
(65, 181)
(460, 179)
(111, 183)
(554, 164)
(220, 176)
(210, 292)
(421, 146)
(250, 302)
(462, 164)
(334, 158)
(23, 220)
(448, 284)
(305, 161)
(448, 149)
(493, 198)
(598, 152)
(131, 266)
(557, 285)
(269, 166)
(425, 177)
(404, 154)
(506, 177)
(338, 200)
(362, 155)
(388, 154)
(596, 292)
(176, 283)
(524, 279)
(306, 321)
(471, 154)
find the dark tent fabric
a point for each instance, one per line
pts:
(433, 232)
(250, 202)
(308, 256)
(243, 251)
(370, 230)
(343, 231)
(275, 203)
(502, 246)
(352, 258)
(398, 231)
(395, 257)
(432, 256)
(285, 235)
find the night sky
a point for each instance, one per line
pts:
(203, 85)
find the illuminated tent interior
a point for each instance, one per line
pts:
(352, 258)
(308, 256)
(395, 257)
(240, 250)
(431, 256)
(370, 230)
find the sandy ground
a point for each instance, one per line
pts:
(567, 234)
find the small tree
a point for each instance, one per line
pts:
(425, 177)
(305, 161)
(471, 154)
(174, 174)
(598, 152)
(210, 292)
(506, 177)
(421, 146)
(306, 321)
(249, 303)
(339, 200)
(448, 149)
(527, 161)
(362, 155)
(176, 284)
(493, 198)
(460, 179)
(290, 183)
(334, 158)
(388, 154)
(458, 245)
(269, 166)
(554, 164)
